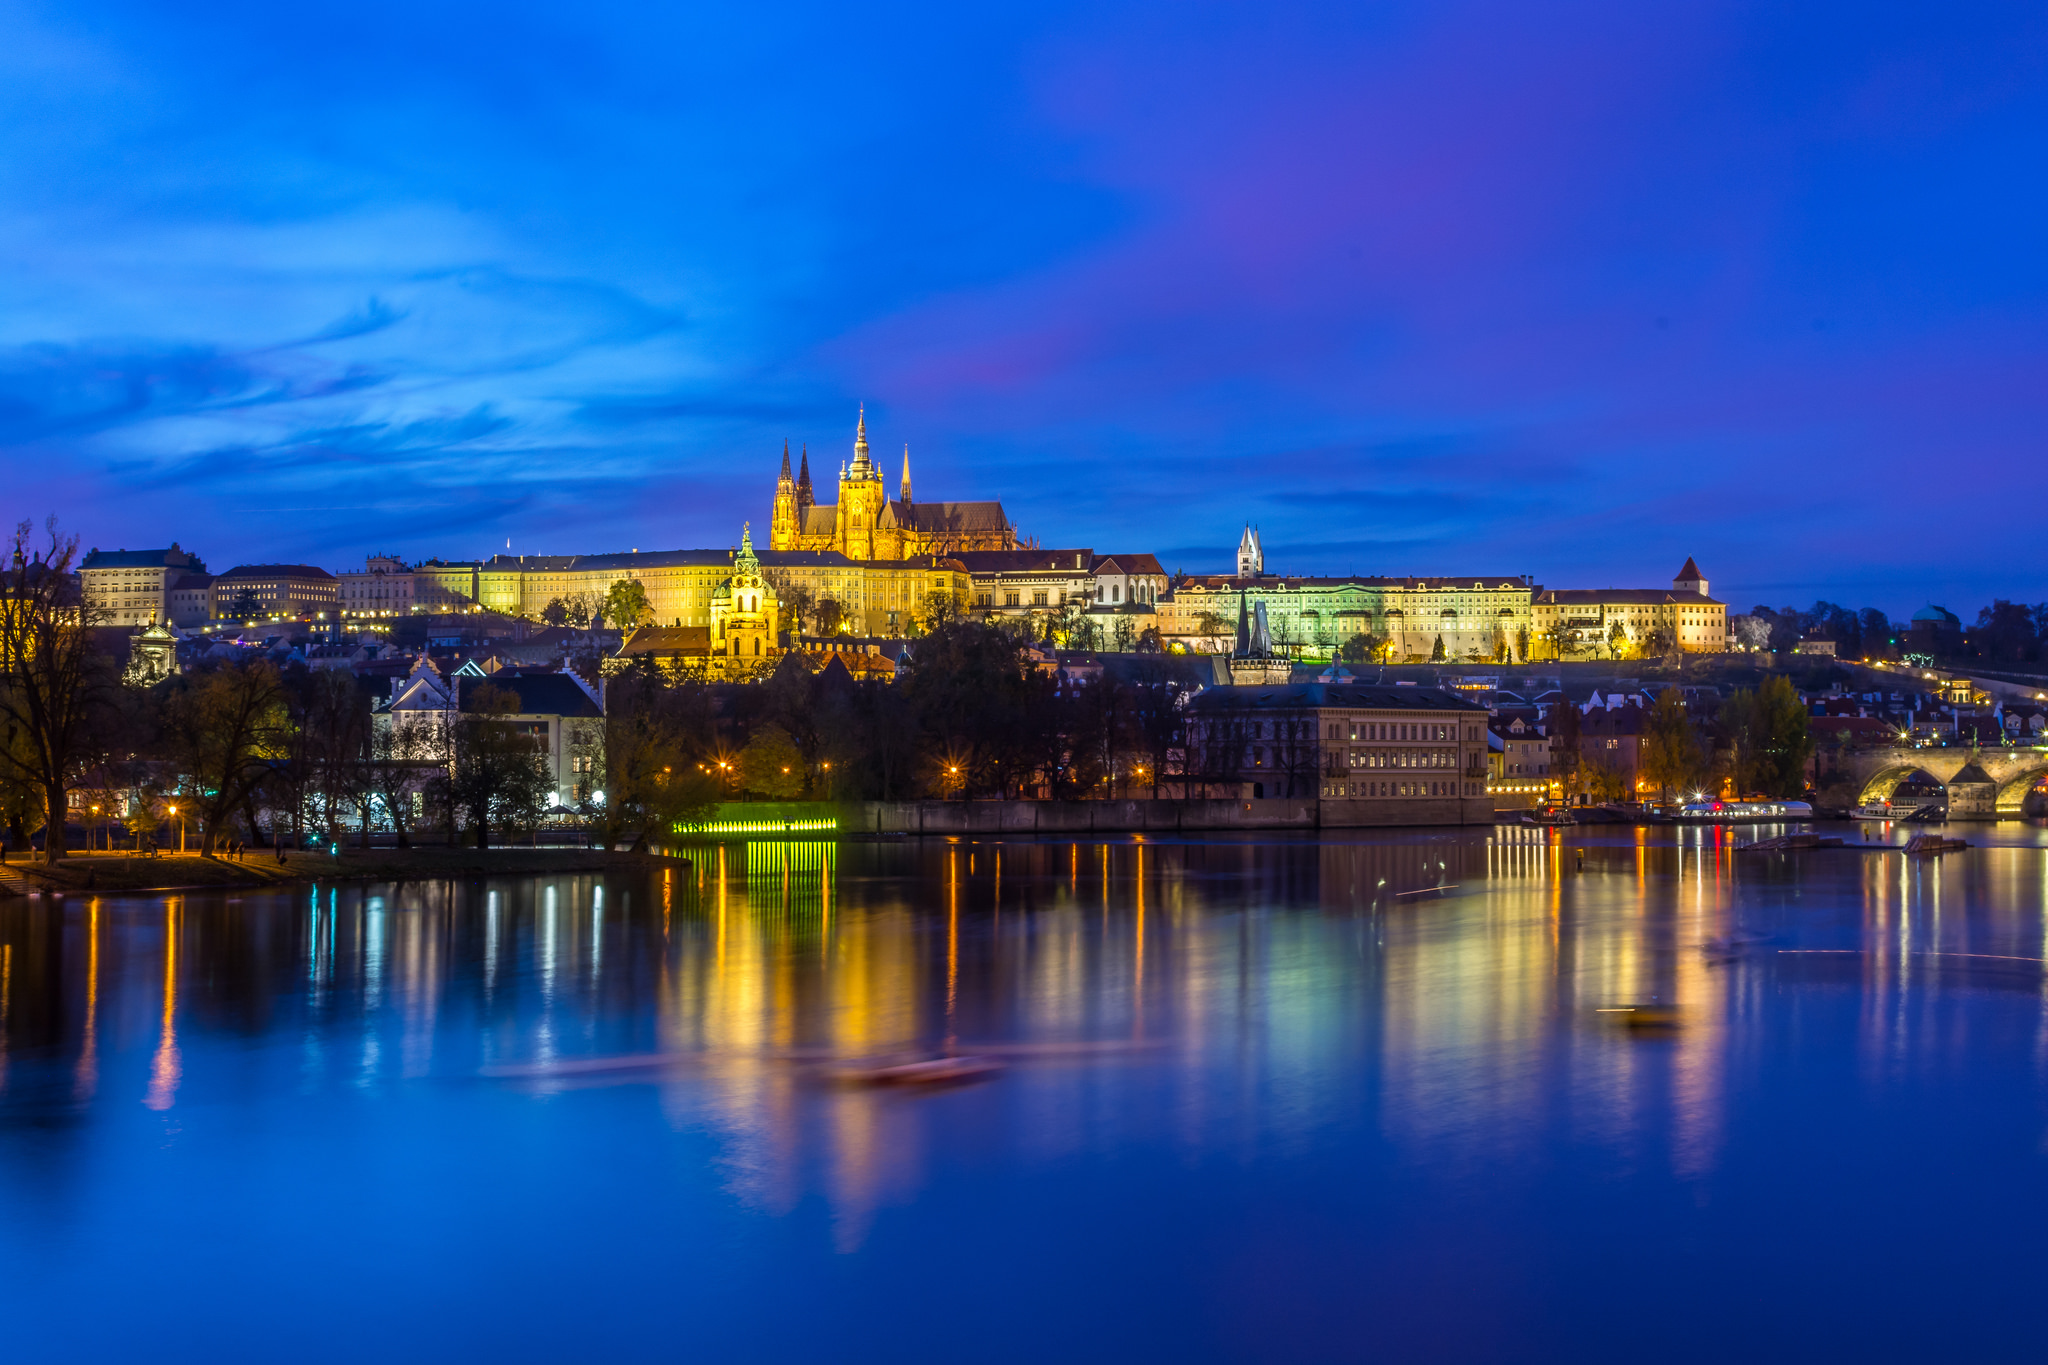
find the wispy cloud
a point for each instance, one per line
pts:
(1422, 287)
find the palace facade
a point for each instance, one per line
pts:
(865, 524)
(1581, 622)
(1473, 618)
(874, 599)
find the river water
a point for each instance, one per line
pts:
(1259, 1099)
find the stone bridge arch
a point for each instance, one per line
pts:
(2012, 793)
(1880, 785)
(1878, 771)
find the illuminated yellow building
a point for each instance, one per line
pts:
(865, 524)
(1613, 621)
(875, 598)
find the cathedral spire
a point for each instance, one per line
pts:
(785, 462)
(803, 479)
(906, 471)
(860, 441)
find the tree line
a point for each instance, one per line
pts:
(1755, 741)
(233, 751)
(2003, 633)
(970, 715)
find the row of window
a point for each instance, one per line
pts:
(1354, 790)
(1382, 730)
(1404, 758)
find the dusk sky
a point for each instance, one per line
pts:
(1572, 290)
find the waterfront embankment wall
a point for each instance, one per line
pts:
(1147, 816)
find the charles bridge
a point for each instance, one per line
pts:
(1864, 775)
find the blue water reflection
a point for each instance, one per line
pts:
(1464, 1095)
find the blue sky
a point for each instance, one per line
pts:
(1573, 290)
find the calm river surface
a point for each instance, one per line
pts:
(1261, 1099)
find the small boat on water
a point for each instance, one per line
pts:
(929, 1072)
(1744, 812)
(1649, 1017)
(1880, 811)
(1551, 815)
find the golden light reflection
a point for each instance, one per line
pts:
(165, 1069)
(88, 1081)
(1138, 946)
(1459, 978)
(952, 936)
(6, 1001)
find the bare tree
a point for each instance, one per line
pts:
(406, 751)
(53, 684)
(228, 728)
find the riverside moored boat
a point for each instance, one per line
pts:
(1744, 812)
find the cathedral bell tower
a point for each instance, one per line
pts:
(784, 521)
(744, 608)
(861, 499)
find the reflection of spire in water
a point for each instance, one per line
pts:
(6, 1004)
(550, 944)
(1138, 950)
(952, 936)
(548, 948)
(89, 1054)
(490, 943)
(165, 1069)
(371, 916)
(419, 974)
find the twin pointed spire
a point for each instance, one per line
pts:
(785, 462)
(1251, 555)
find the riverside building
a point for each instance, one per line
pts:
(1369, 755)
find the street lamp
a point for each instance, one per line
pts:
(90, 846)
(181, 830)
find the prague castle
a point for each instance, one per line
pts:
(866, 525)
(869, 565)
